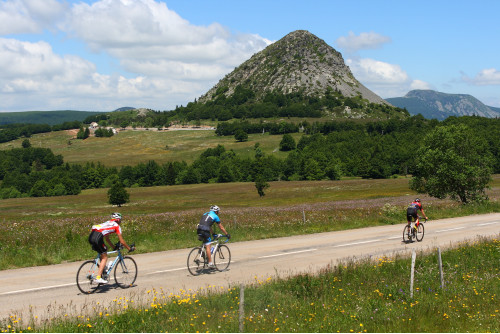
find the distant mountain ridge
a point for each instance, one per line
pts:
(432, 104)
(299, 62)
(52, 117)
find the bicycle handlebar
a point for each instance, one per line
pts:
(218, 236)
(118, 246)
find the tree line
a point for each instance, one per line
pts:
(325, 151)
(243, 104)
(10, 132)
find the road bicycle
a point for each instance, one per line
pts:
(125, 271)
(197, 261)
(410, 234)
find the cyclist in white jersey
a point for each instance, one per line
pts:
(102, 232)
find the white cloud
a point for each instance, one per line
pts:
(169, 60)
(29, 16)
(489, 76)
(365, 41)
(384, 79)
(369, 70)
(37, 62)
(38, 79)
(419, 84)
(147, 31)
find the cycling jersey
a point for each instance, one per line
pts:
(416, 205)
(109, 227)
(207, 220)
(412, 210)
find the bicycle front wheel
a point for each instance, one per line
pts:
(222, 258)
(195, 261)
(125, 272)
(420, 232)
(85, 277)
(406, 234)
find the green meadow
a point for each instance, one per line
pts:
(131, 147)
(162, 218)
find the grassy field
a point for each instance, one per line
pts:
(371, 296)
(162, 218)
(131, 147)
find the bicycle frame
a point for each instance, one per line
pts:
(197, 260)
(212, 251)
(109, 266)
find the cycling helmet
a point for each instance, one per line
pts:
(417, 200)
(116, 215)
(215, 208)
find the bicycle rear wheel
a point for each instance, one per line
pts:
(195, 261)
(420, 232)
(406, 234)
(125, 272)
(85, 277)
(222, 258)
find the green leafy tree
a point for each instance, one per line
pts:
(118, 195)
(72, 187)
(225, 173)
(57, 190)
(287, 143)
(190, 176)
(312, 170)
(83, 133)
(454, 162)
(80, 133)
(26, 143)
(241, 135)
(171, 174)
(40, 189)
(261, 185)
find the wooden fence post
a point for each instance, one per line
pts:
(304, 216)
(413, 256)
(242, 307)
(440, 267)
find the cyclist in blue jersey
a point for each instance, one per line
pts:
(205, 231)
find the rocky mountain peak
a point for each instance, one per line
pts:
(433, 104)
(299, 62)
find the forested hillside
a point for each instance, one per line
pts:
(52, 117)
(328, 150)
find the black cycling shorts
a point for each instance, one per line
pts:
(411, 213)
(204, 236)
(96, 239)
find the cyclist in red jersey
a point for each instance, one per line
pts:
(411, 212)
(102, 232)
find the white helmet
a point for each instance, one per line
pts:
(215, 208)
(116, 215)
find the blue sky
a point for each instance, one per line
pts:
(104, 54)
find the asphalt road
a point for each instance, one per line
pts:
(48, 291)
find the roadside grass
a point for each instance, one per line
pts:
(50, 230)
(354, 296)
(132, 147)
